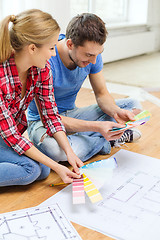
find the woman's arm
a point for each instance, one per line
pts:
(66, 175)
(52, 120)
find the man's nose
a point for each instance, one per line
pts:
(93, 60)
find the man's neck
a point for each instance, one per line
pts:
(64, 55)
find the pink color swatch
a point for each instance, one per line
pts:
(78, 191)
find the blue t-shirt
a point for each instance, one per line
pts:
(66, 83)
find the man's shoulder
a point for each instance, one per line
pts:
(61, 36)
(97, 67)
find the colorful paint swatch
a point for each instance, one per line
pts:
(100, 172)
(105, 163)
(93, 176)
(143, 115)
(140, 119)
(78, 191)
(91, 190)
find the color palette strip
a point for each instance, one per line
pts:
(78, 191)
(91, 190)
(144, 114)
(105, 163)
(140, 119)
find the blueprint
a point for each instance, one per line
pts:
(130, 208)
(38, 223)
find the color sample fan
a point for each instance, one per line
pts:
(140, 119)
(93, 176)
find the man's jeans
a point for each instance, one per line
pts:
(19, 170)
(84, 144)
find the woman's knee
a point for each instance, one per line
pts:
(18, 174)
(45, 171)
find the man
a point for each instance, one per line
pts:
(78, 55)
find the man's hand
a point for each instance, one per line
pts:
(105, 128)
(122, 116)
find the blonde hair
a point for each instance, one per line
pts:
(31, 26)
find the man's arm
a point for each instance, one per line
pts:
(103, 127)
(105, 101)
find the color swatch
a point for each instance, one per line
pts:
(100, 172)
(93, 176)
(78, 191)
(91, 190)
(140, 119)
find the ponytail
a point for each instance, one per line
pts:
(30, 26)
(5, 44)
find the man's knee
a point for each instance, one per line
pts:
(51, 148)
(129, 103)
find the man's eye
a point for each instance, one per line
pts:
(52, 48)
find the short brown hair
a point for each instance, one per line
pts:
(86, 27)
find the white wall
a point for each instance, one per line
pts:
(154, 21)
(122, 42)
(59, 9)
(135, 40)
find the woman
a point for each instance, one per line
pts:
(25, 74)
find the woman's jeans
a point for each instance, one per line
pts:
(19, 170)
(84, 144)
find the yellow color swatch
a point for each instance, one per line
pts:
(91, 190)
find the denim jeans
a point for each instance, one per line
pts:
(19, 170)
(84, 144)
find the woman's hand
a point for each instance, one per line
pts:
(75, 162)
(66, 174)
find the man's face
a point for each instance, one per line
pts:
(81, 56)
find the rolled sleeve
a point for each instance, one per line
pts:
(22, 145)
(50, 116)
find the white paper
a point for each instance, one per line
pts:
(38, 223)
(130, 208)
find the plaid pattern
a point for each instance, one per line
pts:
(13, 120)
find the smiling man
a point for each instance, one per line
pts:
(78, 55)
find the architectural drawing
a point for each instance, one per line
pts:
(37, 223)
(130, 208)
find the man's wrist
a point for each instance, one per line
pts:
(115, 111)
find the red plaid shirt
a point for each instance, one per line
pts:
(13, 120)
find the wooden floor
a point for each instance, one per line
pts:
(19, 197)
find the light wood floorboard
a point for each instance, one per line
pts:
(19, 197)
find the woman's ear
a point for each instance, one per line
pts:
(32, 48)
(69, 44)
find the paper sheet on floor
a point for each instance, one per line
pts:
(45, 223)
(130, 208)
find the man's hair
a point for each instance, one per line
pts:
(86, 27)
